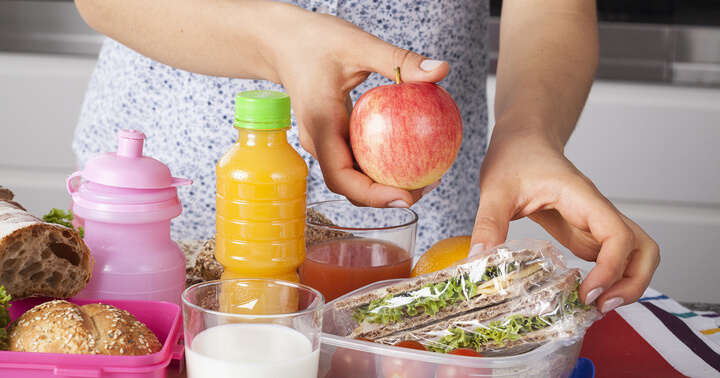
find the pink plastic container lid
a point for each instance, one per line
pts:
(126, 186)
(128, 168)
(163, 318)
(109, 204)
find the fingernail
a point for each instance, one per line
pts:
(611, 304)
(398, 203)
(430, 64)
(430, 187)
(476, 249)
(593, 295)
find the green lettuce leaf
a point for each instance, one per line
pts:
(496, 332)
(430, 298)
(4, 317)
(62, 218)
(511, 328)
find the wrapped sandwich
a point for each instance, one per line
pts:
(550, 310)
(506, 301)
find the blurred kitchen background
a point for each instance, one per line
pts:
(649, 137)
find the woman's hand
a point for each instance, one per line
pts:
(545, 71)
(327, 58)
(527, 176)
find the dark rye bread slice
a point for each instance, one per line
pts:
(39, 258)
(439, 276)
(479, 301)
(544, 293)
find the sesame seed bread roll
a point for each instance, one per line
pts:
(62, 327)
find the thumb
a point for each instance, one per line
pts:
(413, 66)
(491, 223)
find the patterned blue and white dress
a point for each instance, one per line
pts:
(188, 117)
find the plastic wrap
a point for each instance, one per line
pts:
(508, 300)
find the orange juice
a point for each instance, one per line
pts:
(261, 193)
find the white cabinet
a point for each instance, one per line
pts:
(653, 151)
(40, 99)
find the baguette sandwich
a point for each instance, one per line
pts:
(550, 310)
(480, 283)
(38, 258)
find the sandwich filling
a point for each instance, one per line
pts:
(4, 317)
(431, 297)
(496, 333)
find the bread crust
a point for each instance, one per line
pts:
(206, 266)
(6, 194)
(191, 249)
(53, 327)
(63, 327)
(38, 258)
(120, 333)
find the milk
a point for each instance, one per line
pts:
(251, 350)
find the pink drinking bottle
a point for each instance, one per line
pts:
(127, 201)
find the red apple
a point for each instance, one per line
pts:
(405, 135)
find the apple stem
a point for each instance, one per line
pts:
(397, 75)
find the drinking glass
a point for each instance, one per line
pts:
(252, 328)
(349, 247)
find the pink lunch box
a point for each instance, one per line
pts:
(163, 318)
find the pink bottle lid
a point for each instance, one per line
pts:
(125, 186)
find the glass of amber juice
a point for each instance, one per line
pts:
(349, 247)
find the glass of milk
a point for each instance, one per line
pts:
(247, 327)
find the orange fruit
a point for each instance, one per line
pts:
(442, 254)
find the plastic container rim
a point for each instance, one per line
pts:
(44, 362)
(443, 358)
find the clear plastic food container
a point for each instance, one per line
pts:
(345, 357)
(163, 318)
(512, 311)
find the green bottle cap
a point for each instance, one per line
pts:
(262, 110)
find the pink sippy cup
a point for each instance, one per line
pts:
(127, 201)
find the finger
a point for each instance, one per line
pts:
(580, 242)
(642, 263)
(492, 220)
(305, 141)
(418, 194)
(348, 104)
(336, 163)
(616, 241)
(413, 67)
(429, 188)
(582, 206)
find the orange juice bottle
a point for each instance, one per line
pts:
(261, 193)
